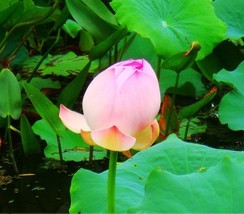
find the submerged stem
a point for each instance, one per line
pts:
(187, 129)
(91, 150)
(112, 181)
(11, 150)
(60, 149)
(172, 103)
(159, 67)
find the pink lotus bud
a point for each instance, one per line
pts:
(120, 106)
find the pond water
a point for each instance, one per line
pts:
(42, 188)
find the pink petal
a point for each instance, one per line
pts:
(146, 138)
(141, 65)
(73, 120)
(113, 139)
(122, 96)
(138, 103)
(99, 100)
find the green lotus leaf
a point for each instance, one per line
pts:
(62, 65)
(213, 190)
(199, 167)
(232, 78)
(73, 146)
(72, 28)
(191, 110)
(231, 109)
(10, 95)
(231, 12)
(192, 86)
(172, 25)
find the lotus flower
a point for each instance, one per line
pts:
(120, 106)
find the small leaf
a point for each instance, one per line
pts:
(44, 107)
(191, 110)
(72, 28)
(182, 60)
(10, 102)
(73, 146)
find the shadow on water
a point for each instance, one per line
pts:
(43, 188)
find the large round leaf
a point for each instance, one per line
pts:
(172, 25)
(179, 160)
(191, 193)
(231, 12)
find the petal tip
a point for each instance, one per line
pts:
(113, 139)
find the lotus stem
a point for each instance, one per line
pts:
(159, 67)
(172, 103)
(60, 149)
(91, 151)
(11, 150)
(112, 181)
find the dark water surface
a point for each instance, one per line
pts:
(44, 191)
